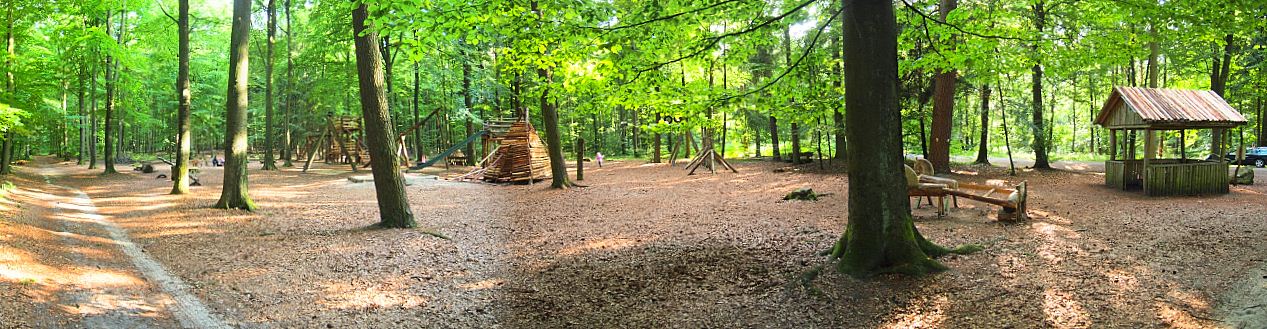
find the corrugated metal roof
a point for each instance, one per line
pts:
(1173, 106)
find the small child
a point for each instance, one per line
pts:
(598, 156)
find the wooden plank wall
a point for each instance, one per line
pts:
(1122, 174)
(1186, 179)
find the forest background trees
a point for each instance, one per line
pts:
(633, 78)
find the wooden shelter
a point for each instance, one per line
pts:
(1130, 110)
(520, 155)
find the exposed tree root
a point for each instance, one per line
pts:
(918, 263)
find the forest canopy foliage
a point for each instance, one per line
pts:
(630, 77)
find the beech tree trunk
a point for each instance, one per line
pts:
(1154, 51)
(417, 113)
(10, 87)
(1218, 84)
(234, 193)
(550, 118)
(79, 158)
(271, 10)
(180, 173)
(389, 186)
(1039, 129)
(469, 104)
(983, 148)
(774, 138)
(880, 236)
(288, 95)
(92, 129)
(108, 153)
(655, 144)
(943, 109)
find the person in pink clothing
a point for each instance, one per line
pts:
(598, 156)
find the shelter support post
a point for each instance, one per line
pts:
(1216, 143)
(1112, 144)
(1150, 151)
(1183, 144)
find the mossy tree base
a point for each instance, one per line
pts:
(914, 256)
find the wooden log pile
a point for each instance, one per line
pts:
(522, 157)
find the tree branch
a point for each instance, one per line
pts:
(661, 18)
(712, 41)
(809, 47)
(961, 29)
(164, 10)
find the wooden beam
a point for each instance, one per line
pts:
(1113, 144)
(1150, 151)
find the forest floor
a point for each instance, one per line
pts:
(644, 245)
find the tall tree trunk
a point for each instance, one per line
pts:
(10, 87)
(79, 159)
(1258, 105)
(774, 138)
(838, 116)
(234, 194)
(880, 236)
(271, 10)
(288, 95)
(943, 109)
(1039, 132)
(389, 187)
(655, 144)
(550, 118)
(983, 148)
(1154, 51)
(180, 173)
(796, 143)
(923, 129)
(468, 104)
(795, 128)
(1218, 84)
(417, 113)
(1262, 129)
(598, 140)
(108, 153)
(92, 129)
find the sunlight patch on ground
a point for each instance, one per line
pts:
(102, 303)
(1123, 281)
(482, 284)
(923, 313)
(1057, 242)
(345, 296)
(1175, 317)
(600, 244)
(1009, 266)
(1062, 311)
(101, 279)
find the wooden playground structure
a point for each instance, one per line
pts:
(340, 141)
(518, 155)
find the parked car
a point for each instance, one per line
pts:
(1256, 156)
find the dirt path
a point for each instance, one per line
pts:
(106, 280)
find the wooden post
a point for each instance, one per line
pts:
(1216, 143)
(1132, 139)
(1150, 150)
(1182, 144)
(580, 159)
(1112, 144)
